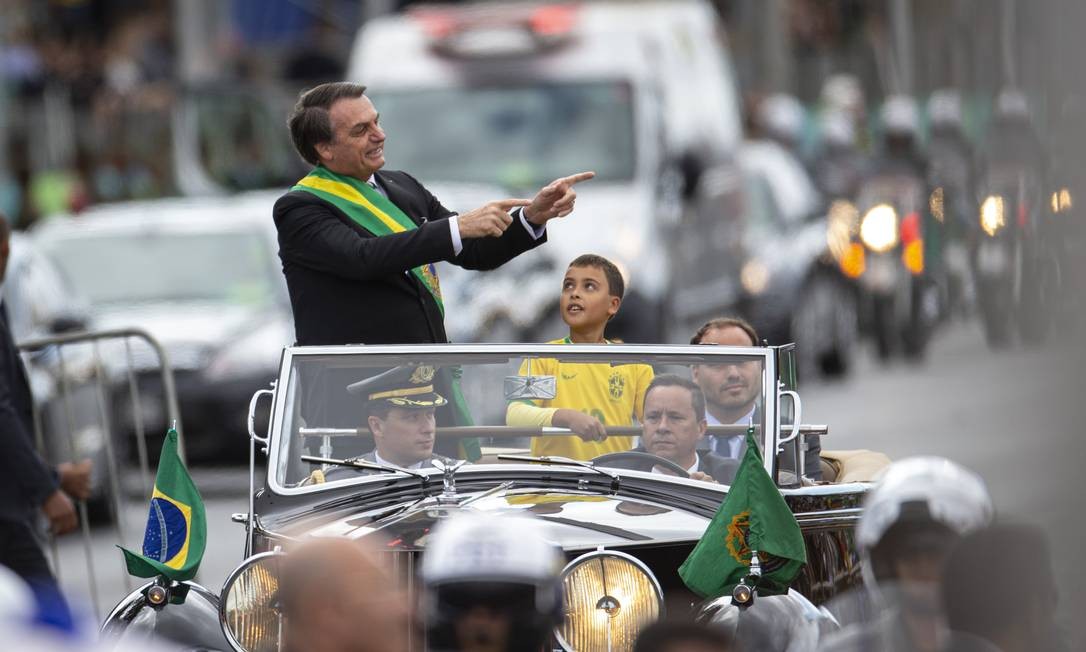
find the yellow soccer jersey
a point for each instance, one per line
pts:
(614, 395)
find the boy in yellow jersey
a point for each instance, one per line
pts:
(590, 396)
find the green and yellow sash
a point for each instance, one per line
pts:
(369, 209)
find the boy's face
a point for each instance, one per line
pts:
(586, 298)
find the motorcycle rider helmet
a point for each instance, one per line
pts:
(775, 623)
(842, 92)
(838, 131)
(945, 109)
(781, 117)
(485, 574)
(899, 116)
(918, 504)
(1012, 104)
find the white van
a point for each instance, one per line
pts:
(493, 100)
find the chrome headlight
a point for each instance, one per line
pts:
(992, 214)
(878, 228)
(250, 618)
(610, 597)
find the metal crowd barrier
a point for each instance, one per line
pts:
(105, 386)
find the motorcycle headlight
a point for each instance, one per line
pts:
(610, 597)
(878, 229)
(992, 214)
(250, 618)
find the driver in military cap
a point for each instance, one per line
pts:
(399, 411)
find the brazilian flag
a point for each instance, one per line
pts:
(753, 517)
(173, 544)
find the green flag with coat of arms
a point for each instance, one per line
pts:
(753, 517)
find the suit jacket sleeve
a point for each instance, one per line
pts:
(482, 253)
(18, 458)
(311, 235)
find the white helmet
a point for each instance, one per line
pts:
(842, 92)
(498, 561)
(775, 623)
(931, 489)
(1012, 103)
(899, 116)
(945, 108)
(782, 117)
(838, 130)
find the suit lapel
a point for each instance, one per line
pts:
(399, 195)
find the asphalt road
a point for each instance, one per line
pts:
(1011, 416)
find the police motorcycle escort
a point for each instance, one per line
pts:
(1014, 255)
(350, 453)
(892, 240)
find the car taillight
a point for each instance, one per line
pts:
(436, 23)
(910, 228)
(552, 20)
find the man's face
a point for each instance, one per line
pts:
(405, 436)
(734, 386)
(357, 147)
(586, 298)
(672, 429)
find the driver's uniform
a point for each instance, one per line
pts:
(613, 394)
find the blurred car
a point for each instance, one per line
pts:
(760, 246)
(488, 101)
(634, 526)
(202, 277)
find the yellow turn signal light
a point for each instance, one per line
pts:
(913, 257)
(852, 260)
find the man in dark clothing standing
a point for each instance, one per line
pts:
(27, 483)
(358, 245)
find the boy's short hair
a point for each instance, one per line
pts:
(615, 285)
(725, 322)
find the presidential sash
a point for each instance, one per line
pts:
(369, 209)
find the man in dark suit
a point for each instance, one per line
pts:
(28, 485)
(358, 245)
(732, 392)
(674, 424)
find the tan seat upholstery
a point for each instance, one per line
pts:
(843, 467)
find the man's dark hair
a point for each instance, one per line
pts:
(616, 287)
(666, 636)
(697, 398)
(309, 122)
(725, 322)
(980, 574)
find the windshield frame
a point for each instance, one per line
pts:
(770, 392)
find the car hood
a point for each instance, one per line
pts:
(575, 520)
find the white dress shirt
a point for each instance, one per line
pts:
(692, 470)
(454, 224)
(728, 445)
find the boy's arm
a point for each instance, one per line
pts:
(520, 414)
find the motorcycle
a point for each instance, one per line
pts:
(1013, 258)
(888, 255)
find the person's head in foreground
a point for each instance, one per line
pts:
(336, 597)
(919, 508)
(667, 636)
(400, 412)
(674, 419)
(999, 594)
(731, 390)
(592, 292)
(491, 584)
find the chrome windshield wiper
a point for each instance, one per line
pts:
(362, 464)
(565, 461)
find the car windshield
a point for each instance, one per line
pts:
(517, 136)
(154, 266)
(406, 409)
